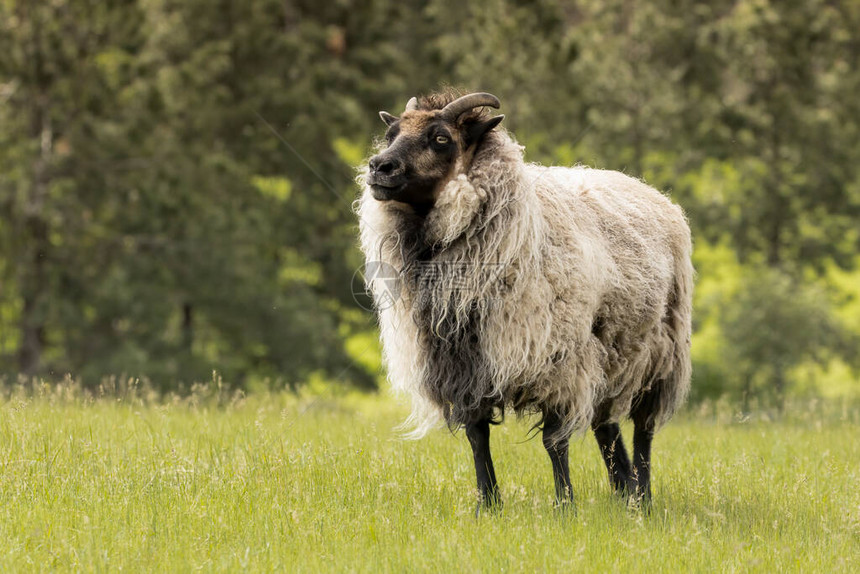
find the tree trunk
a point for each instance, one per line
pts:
(34, 242)
(32, 290)
(779, 386)
(187, 327)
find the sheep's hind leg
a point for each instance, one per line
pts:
(642, 437)
(614, 455)
(479, 438)
(556, 442)
(643, 434)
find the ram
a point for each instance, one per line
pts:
(559, 291)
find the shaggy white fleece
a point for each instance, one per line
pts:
(578, 290)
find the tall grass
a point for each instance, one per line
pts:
(219, 481)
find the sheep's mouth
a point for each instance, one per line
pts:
(386, 192)
(416, 192)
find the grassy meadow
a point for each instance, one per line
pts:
(276, 482)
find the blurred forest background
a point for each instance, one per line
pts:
(176, 176)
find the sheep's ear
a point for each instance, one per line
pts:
(475, 131)
(387, 118)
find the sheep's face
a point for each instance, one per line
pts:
(422, 153)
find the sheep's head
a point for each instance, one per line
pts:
(426, 145)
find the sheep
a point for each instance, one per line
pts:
(564, 292)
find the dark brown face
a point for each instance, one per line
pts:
(423, 147)
(421, 150)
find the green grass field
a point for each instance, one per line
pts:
(278, 482)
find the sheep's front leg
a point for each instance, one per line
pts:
(479, 437)
(556, 443)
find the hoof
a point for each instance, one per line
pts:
(639, 502)
(565, 507)
(489, 506)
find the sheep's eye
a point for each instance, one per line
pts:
(442, 140)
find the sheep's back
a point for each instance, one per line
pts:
(613, 252)
(624, 235)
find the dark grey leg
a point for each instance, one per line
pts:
(614, 455)
(643, 434)
(479, 437)
(556, 444)
(642, 437)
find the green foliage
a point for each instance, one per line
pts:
(773, 324)
(176, 178)
(763, 334)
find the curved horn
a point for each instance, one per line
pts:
(466, 103)
(412, 104)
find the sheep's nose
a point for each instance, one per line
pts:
(384, 165)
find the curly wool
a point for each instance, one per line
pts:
(577, 295)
